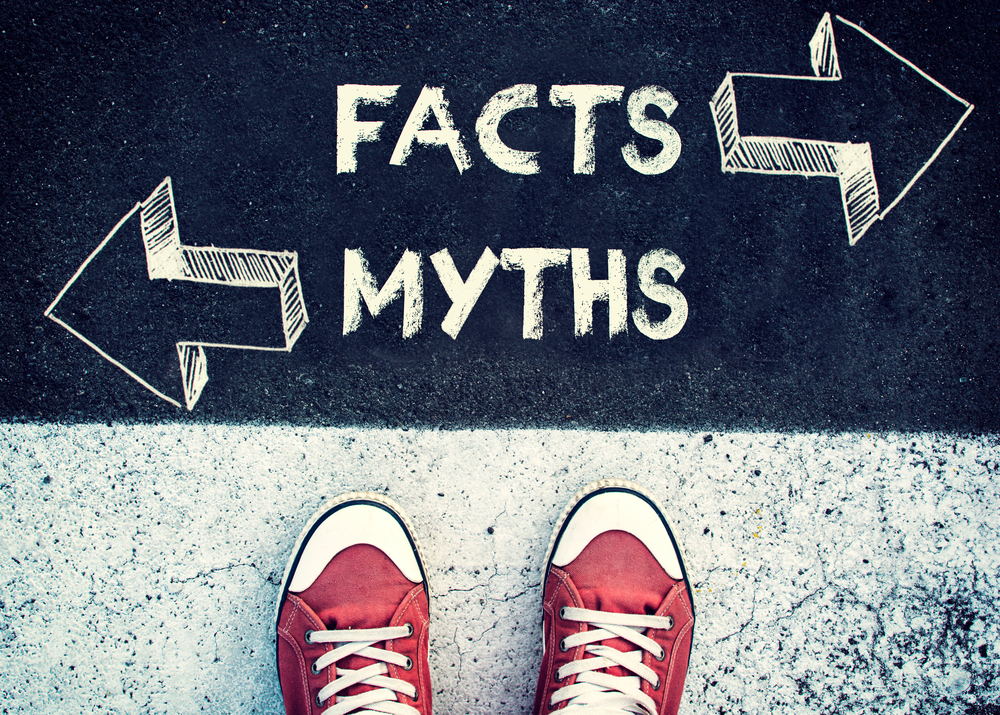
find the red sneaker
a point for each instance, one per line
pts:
(353, 614)
(617, 612)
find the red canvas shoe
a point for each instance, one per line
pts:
(617, 612)
(353, 614)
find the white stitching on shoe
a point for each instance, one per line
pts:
(599, 692)
(286, 635)
(361, 642)
(418, 612)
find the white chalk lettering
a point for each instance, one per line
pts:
(585, 98)
(359, 283)
(463, 294)
(514, 161)
(656, 129)
(350, 131)
(406, 280)
(660, 293)
(587, 291)
(431, 101)
(533, 261)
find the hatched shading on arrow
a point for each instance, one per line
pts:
(853, 164)
(166, 258)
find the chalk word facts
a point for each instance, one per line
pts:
(583, 98)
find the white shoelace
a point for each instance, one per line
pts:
(382, 699)
(596, 693)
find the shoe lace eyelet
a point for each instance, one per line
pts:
(661, 655)
(562, 613)
(314, 669)
(309, 636)
(408, 665)
(319, 703)
(416, 696)
(656, 685)
(409, 630)
(562, 645)
(671, 626)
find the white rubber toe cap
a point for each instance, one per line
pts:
(346, 527)
(618, 511)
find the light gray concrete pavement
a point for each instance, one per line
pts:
(139, 565)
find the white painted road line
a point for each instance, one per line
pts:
(139, 564)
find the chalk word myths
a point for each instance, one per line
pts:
(583, 98)
(407, 281)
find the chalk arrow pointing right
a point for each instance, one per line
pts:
(788, 124)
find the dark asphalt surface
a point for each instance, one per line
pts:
(789, 327)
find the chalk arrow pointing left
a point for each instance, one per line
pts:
(869, 118)
(191, 298)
